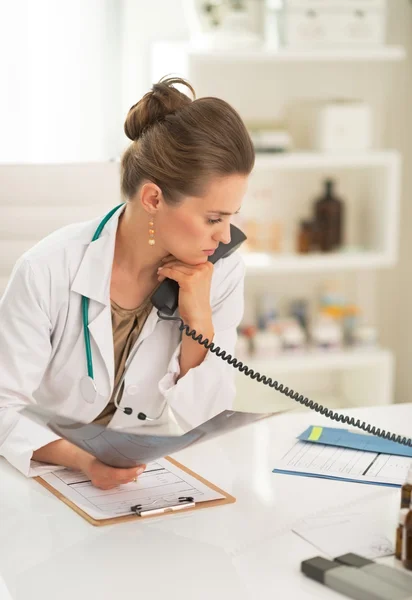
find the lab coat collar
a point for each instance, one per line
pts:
(93, 277)
(93, 281)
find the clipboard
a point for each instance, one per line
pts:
(185, 504)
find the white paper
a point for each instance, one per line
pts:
(138, 445)
(162, 483)
(4, 592)
(337, 534)
(305, 458)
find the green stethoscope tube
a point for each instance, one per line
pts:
(85, 300)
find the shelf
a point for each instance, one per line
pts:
(259, 263)
(183, 58)
(340, 378)
(262, 54)
(279, 403)
(321, 360)
(314, 160)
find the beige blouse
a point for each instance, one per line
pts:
(127, 325)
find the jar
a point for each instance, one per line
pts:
(365, 336)
(304, 244)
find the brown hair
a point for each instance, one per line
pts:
(179, 143)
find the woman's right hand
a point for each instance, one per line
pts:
(62, 452)
(106, 478)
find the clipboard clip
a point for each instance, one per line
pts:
(145, 511)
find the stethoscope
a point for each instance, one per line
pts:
(88, 386)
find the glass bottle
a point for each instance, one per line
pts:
(305, 237)
(329, 219)
(407, 542)
(406, 490)
(403, 513)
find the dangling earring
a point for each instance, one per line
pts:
(151, 232)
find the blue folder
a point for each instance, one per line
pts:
(333, 436)
(335, 478)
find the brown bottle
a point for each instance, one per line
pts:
(399, 532)
(329, 219)
(407, 542)
(406, 491)
(304, 244)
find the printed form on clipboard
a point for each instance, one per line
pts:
(331, 462)
(165, 486)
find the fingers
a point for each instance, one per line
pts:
(174, 274)
(127, 475)
(109, 478)
(178, 273)
(187, 269)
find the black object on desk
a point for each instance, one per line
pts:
(350, 581)
(396, 577)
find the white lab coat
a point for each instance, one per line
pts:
(42, 351)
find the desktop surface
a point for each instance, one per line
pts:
(241, 551)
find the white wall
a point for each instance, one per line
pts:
(142, 23)
(61, 80)
(38, 199)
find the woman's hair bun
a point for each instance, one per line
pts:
(163, 99)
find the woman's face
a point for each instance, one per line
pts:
(193, 229)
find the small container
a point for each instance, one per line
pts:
(251, 229)
(350, 322)
(267, 310)
(300, 311)
(343, 126)
(365, 337)
(326, 333)
(275, 236)
(406, 491)
(266, 344)
(403, 513)
(407, 542)
(292, 335)
(271, 140)
(329, 218)
(304, 242)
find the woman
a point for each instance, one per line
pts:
(183, 177)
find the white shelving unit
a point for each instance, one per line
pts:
(261, 263)
(337, 379)
(314, 160)
(371, 184)
(178, 56)
(309, 360)
(263, 54)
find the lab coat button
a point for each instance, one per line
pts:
(132, 390)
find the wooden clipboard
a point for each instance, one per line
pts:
(227, 499)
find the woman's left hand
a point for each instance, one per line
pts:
(194, 294)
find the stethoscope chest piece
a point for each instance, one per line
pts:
(88, 389)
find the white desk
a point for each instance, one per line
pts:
(241, 551)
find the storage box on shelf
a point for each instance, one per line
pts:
(336, 22)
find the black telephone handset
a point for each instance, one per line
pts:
(165, 298)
